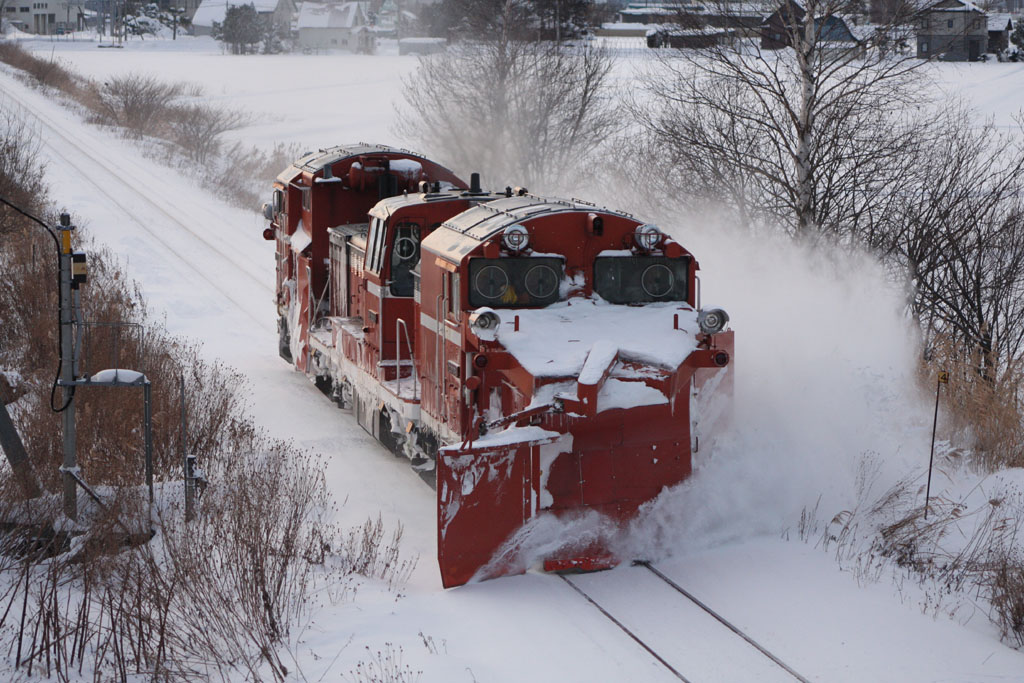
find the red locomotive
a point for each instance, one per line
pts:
(531, 356)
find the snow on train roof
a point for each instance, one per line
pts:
(315, 161)
(555, 341)
(459, 235)
(386, 207)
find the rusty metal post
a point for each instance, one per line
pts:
(12, 446)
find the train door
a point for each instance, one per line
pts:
(402, 260)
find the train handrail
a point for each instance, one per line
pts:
(399, 323)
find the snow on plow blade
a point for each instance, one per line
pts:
(485, 493)
(585, 453)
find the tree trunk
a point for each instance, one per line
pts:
(804, 48)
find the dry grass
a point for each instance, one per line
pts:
(217, 598)
(985, 415)
(956, 554)
(190, 133)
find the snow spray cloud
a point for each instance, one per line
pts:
(825, 378)
(825, 384)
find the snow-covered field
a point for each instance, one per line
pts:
(824, 385)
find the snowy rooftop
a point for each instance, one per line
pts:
(215, 10)
(999, 22)
(324, 15)
(555, 341)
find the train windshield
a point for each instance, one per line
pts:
(641, 279)
(515, 282)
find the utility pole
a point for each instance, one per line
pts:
(67, 367)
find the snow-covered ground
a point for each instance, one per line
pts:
(824, 391)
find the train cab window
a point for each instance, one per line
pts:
(641, 279)
(405, 255)
(515, 282)
(375, 241)
(307, 199)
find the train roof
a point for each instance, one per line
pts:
(388, 206)
(316, 161)
(459, 235)
(313, 162)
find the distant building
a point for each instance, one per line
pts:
(421, 46)
(210, 11)
(952, 30)
(50, 17)
(834, 32)
(343, 26)
(1000, 26)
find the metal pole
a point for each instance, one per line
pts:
(67, 372)
(188, 461)
(148, 427)
(943, 378)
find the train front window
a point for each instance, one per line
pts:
(641, 279)
(515, 282)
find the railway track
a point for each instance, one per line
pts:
(689, 639)
(195, 239)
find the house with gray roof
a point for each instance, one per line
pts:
(952, 30)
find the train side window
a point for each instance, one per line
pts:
(375, 245)
(405, 255)
(307, 199)
(451, 291)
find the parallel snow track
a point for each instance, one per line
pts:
(144, 194)
(619, 618)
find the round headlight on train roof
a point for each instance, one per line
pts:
(515, 238)
(712, 320)
(647, 236)
(484, 323)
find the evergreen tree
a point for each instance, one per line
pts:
(241, 29)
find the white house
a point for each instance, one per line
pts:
(47, 17)
(342, 25)
(210, 11)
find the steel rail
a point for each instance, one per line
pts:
(62, 132)
(625, 630)
(692, 598)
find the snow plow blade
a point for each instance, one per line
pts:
(485, 492)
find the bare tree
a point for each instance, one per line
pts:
(531, 112)
(957, 231)
(798, 121)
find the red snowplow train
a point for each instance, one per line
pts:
(530, 356)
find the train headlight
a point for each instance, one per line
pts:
(647, 236)
(712, 320)
(484, 323)
(515, 238)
